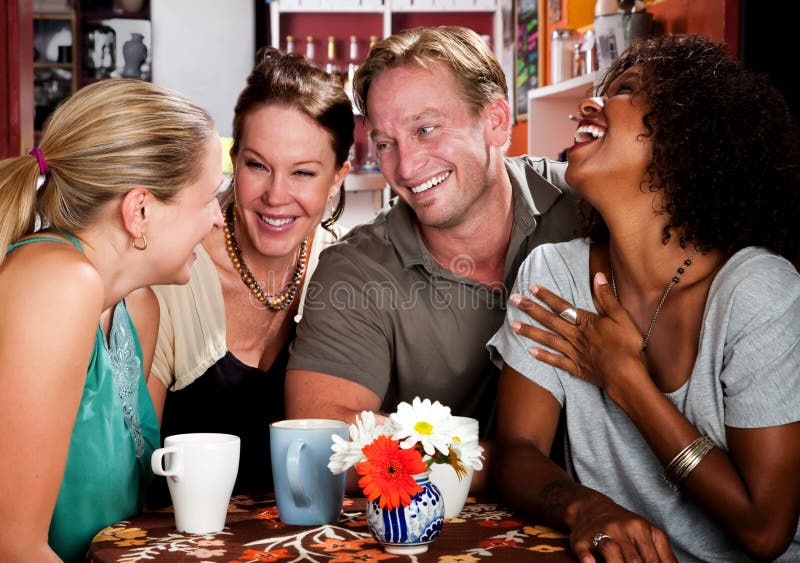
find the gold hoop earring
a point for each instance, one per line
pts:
(331, 218)
(139, 245)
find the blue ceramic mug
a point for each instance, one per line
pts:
(306, 491)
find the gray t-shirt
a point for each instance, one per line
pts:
(746, 375)
(381, 312)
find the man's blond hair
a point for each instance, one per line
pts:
(461, 50)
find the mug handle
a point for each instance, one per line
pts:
(175, 466)
(293, 473)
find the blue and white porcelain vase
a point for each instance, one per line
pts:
(408, 530)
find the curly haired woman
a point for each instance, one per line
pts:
(669, 339)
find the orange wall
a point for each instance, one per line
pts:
(519, 139)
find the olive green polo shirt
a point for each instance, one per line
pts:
(382, 312)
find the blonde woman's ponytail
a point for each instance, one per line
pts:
(18, 178)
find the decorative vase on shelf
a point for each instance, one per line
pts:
(131, 6)
(408, 530)
(134, 52)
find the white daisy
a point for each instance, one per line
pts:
(425, 423)
(465, 429)
(346, 454)
(465, 442)
(470, 453)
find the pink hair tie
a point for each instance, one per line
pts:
(43, 168)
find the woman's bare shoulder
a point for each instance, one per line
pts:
(51, 272)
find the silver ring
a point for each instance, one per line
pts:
(598, 539)
(570, 314)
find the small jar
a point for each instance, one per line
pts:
(561, 49)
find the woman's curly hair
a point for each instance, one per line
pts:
(725, 146)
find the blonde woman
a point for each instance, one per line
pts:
(128, 175)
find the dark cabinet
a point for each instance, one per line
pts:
(115, 39)
(98, 39)
(54, 66)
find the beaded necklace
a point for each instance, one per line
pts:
(274, 301)
(670, 285)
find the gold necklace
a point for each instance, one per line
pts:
(274, 301)
(676, 278)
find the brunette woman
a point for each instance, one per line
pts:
(223, 340)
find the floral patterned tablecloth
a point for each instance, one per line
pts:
(484, 531)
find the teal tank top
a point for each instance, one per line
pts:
(115, 432)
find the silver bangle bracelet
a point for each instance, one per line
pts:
(692, 462)
(685, 462)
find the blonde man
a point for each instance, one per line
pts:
(404, 305)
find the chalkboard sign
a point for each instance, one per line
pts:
(527, 42)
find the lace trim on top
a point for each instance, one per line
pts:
(127, 367)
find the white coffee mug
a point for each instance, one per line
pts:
(454, 490)
(201, 471)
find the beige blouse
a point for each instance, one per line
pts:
(191, 331)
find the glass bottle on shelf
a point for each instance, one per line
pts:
(372, 40)
(290, 43)
(331, 66)
(352, 66)
(370, 161)
(310, 50)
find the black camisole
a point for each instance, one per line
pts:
(230, 398)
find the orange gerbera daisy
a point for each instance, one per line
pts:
(388, 472)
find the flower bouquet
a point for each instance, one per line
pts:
(394, 460)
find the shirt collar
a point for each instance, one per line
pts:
(525, 181)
